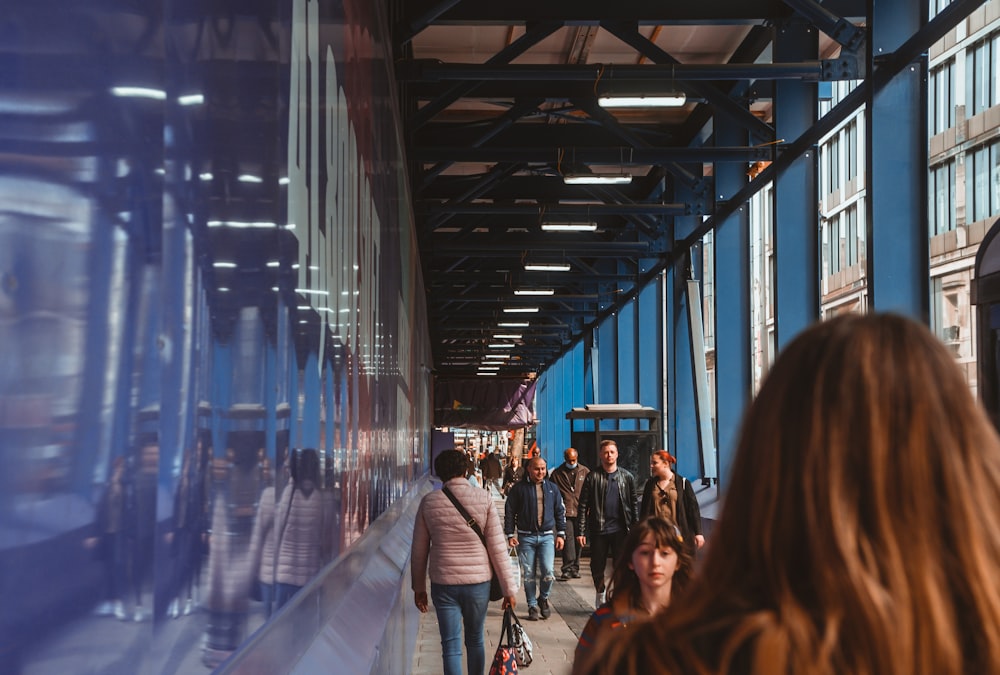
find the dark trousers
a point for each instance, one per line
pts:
(601, 545)
(571, 550)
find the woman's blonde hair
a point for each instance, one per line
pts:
(860, 531)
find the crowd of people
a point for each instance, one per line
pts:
(859, 531)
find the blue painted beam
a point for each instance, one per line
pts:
(628, 362)
(796, 291)
(733, 384)
(896, 169)
(651, 350)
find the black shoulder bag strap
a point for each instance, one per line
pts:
(469, 520)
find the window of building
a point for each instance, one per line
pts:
(936, 6)
(940, 92)
(941, 193)
(851, 149)
(982, 178)
(980, 76)
(843, 240)
(951, 313)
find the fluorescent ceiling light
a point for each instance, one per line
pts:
(507, 336)
(224, 264)
(241, 225)
(520, 310)
(569, 227)
(496, 356)
(139, 92)
(191, 99)
(489, 367)
(501, 345)
(485, 373)
(597, 178)
(547, 267)
(673, 100)
(513, 324)
(534, 291)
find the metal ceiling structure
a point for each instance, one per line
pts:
(500, 103)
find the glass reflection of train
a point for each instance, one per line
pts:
(202, 260)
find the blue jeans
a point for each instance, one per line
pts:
(457, 606)
(537, 550)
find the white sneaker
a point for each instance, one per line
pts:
(188, 606)
(119, 611)
(599, 599)
(174, 610)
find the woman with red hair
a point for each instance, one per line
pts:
(671, 497)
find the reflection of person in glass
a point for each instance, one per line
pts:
(262, 543)
(140, 523)
(107, 542)
(189, 507)
(299, 516)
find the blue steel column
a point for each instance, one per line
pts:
(310, 402)
(650, 340)
(628, 349)
(896, 167)
(796, 218)
(682, 410)
(732, 305)
(607, 366)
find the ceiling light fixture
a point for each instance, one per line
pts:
(534, 291)
(597, 178)
(496, 356)
(501, 345)
(507, 336)
(569, 227)
(671, 100)
(513, 324)
(547, 267)
(520, 310)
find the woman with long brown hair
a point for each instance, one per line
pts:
(861, 529)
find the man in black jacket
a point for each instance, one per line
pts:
(608, 508)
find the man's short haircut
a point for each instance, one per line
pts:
(450, 464)
(608, 441)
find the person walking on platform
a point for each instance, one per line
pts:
(492, 471)
(569, 478)
(514, 473)
(669, 495)
(654, 567)
(861, 527)
(535, 523)
(445, 543)
(607, 510)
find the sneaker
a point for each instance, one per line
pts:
(543, 604)
(119, 611)
(174, 610)
(574, 574)
(563, 577)
(140, 614)
(532, 613)
(599, 600)
(188, 606)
